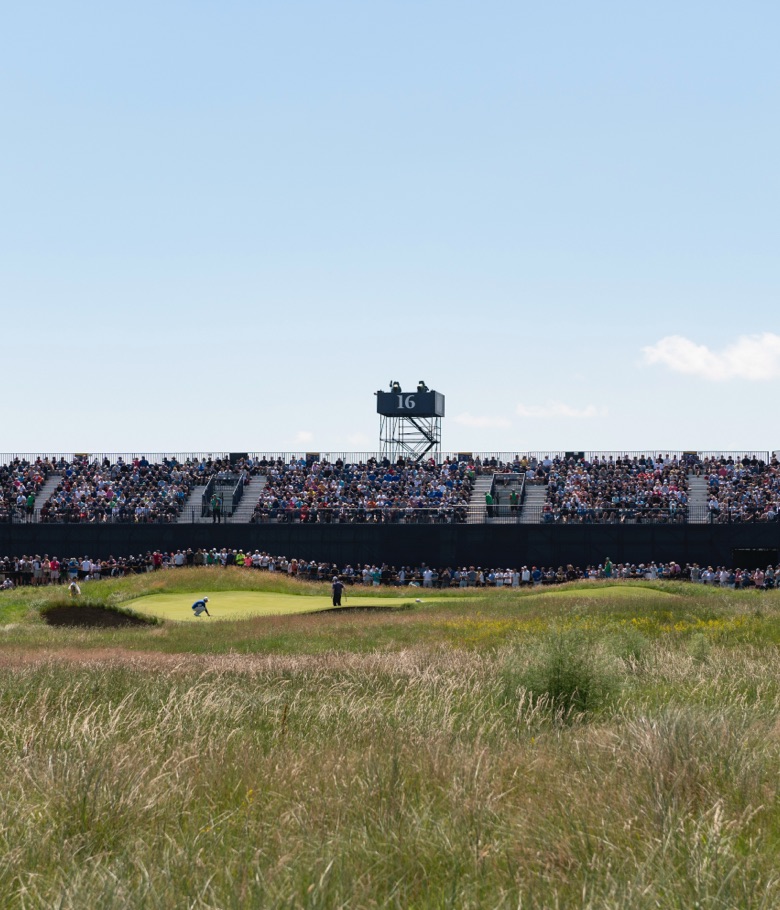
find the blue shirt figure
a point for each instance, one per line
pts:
(199, 607)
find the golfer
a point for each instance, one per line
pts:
(200, 607)
(338, 587)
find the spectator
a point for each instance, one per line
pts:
(365, 492)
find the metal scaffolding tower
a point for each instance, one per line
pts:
(410, 422)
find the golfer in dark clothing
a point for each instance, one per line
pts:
(338, 587)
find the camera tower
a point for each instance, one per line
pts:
(409, 422)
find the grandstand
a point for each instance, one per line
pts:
(364, 488)
(454, 506)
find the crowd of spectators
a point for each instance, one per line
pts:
(45, 570)
(370, 491)
(134, 491)
(596, 489)
(608, 489)
(20, 483)
(741, 490)
(101, 490)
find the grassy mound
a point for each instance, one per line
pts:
(603, 591)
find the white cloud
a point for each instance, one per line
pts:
(754, 357)
(304, 436)
(557, 409)
(359, 440)
(470, 420)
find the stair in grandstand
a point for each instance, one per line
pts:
(224, 485)
(697, 499)
(192, 506)
(50, 485)
(477, 513)
(246, 507)
(503, 486)
(535, 496)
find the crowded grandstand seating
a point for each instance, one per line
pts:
(137, 491)
(609, 489)
(20, 481)
(741, 490)
(370, 491)
(561, 488)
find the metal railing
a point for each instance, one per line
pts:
(35, 517)
(761, 456)
(225, 516)
(629, 515)
(325, 515)
(238, 492)
(485, 458)
(702, 514)
(351, 515)
(500, 513)
(696, 514)
(205, 500)
(113, 457)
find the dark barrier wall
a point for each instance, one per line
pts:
(485, 545)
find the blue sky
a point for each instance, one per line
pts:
(224, 226)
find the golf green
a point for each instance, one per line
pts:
(242, 604)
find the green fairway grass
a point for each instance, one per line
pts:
(245, 604)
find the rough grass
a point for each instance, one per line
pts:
(600, 591)
(424, 759)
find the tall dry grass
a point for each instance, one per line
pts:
(391, 779)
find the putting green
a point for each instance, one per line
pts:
(242, 604)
